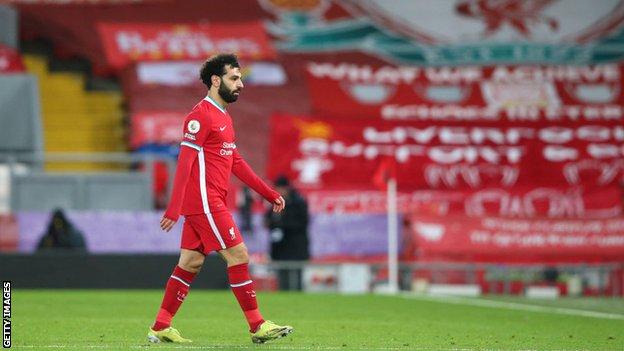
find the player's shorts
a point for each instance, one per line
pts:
(210, 232)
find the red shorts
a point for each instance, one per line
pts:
(210, 232)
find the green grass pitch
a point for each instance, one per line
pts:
(118, 320)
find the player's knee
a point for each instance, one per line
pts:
(239, 256)
(192, 265)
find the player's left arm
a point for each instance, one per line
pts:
(242, 171)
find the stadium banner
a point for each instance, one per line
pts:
(156, 127)
(323, 152)
(357, 235)
(519, 239)
(331, 235)
(478, 94)
(10, 60)
(131, 42)
(186, 73)
(455, 32)
(518, 202)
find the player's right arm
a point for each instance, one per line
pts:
(183, 170)
(196, 129)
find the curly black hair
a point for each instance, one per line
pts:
(215, 65)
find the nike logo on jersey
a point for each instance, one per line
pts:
(222, 128)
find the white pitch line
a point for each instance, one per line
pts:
(515, 306)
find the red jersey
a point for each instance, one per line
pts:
(208, 155)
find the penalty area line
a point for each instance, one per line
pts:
(514, 306)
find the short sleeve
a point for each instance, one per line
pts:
(196, 129)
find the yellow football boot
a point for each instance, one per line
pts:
(166, 335)
(270, 331)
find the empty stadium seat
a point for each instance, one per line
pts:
(76, 120)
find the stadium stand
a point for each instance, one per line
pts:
(498, 136)
(74, 119)
(462, 163)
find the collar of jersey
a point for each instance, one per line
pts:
(210, 100)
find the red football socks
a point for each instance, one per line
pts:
(176, 290)
(243, 289)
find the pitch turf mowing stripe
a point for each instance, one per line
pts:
(119, 319)
(515, 306)
(247, 347)
(266, 347)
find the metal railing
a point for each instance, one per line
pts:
(97, 157)
(24, 164)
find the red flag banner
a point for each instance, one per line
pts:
(339, 153)
(129, 42)
(519, 202)
(519, 240)
(495, 93)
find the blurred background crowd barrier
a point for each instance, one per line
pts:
(502, 123)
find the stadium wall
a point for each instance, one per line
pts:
(8, 26)
(20, 96)
(68, 270)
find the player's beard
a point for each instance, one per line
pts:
(227, 95)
